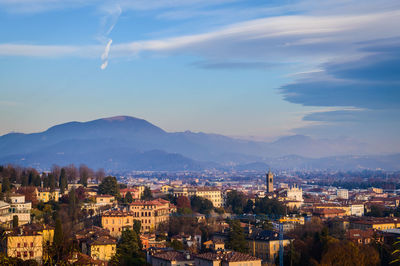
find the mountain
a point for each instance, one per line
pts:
(129, 143)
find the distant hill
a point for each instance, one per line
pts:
(128, 143)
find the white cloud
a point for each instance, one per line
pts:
(283, 38)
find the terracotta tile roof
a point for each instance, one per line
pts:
(102, 240)
(117, 213)
(329, 211)
(172, 256)
(227, 256)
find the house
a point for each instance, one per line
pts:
(46, 195)
(103, 200)
(102, 247)
(24, 244)
(20, 208)
(133, 191)
(97, 243)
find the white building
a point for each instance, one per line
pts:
(20, 208)
(357, 209)
(342, 194)
(295, 193)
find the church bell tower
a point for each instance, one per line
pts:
(270, 181)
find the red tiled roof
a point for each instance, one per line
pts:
(172, 256)
(231, 256)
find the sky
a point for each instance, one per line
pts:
(249, 69)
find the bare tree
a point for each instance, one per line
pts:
(100, 174)
(56, 171)
(84, 173)
(72, 173)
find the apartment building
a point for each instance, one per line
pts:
(211, 193)
(149, 213)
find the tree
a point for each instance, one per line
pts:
(84, 174)
(71, 173)
(109, 186)
(29, 193)
(73, 207)
(269, 207)
(176, 245)
(5, 185)
(236, 201)
(201, 205)
(128, 197)
(236, 239)
(100, 174)
(147, 194)
(182, 202)
(63, 183)
(15, 221)
(249, 206)
(128, 250)
(58, 240)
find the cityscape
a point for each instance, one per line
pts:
(200, 133)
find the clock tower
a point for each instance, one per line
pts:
(270, 182)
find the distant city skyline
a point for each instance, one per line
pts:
(256, 70)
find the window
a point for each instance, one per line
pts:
(19, 254)
(25, 245)
(25, 254)
(19, 245)
(31, 254)
(31, 244)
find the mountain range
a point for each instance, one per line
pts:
(124, 143)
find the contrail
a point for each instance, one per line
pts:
(104, 56)
(112, 17)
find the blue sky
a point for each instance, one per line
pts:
(253, 69)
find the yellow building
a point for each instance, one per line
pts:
(25, 245)
(265, 245)
(45, 195)
(149, 213)
(104, 199)
(166, 189)
(376, 223)
(212, 194)
(116, 221)
(347, 209)
(102, 248)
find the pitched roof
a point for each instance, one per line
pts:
(172, 256)
(227, 256)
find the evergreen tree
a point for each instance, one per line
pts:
(52, 182)
(128, 250)
(15, 221)
(236, 240)
(249, 206)
(147, 194)
(109, 186)
(73, 205)
(58, 239)
(63, 183)
(5, 185)
(37, 182)
(128, 197)
(24, 180)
